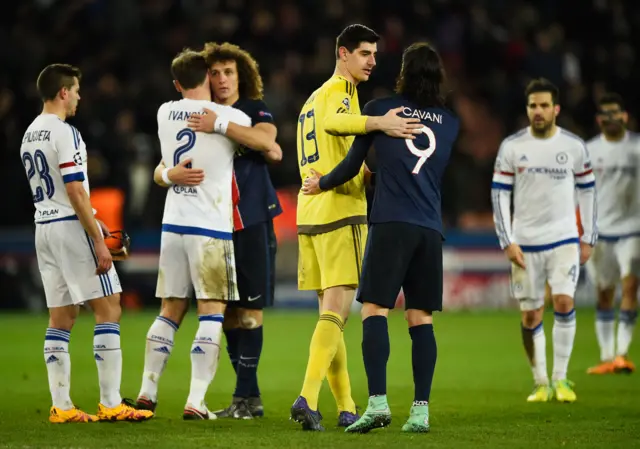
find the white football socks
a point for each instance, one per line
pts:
(56, 356)
(108, 356)
(626, 323)
(205, 353)
(605, 332)
(158, 349)
(564, 332)
(539, 367)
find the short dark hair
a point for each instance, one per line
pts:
(542, 85)
(422, 77)
(55, 77)
(612, 98)
(189, 68)
(353, 35)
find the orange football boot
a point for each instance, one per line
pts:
(58, 416)
(623, 365)
(606, 367)
(125, 411)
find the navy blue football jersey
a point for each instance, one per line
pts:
(258, 201)
(409, 171)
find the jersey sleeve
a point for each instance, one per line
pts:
(259, 113)
(350, 166)
(67, 145)
(585, 182)
(501, 188)
(338, 119)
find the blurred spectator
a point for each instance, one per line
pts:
(491, 49)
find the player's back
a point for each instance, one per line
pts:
(409, 172)
(545, 173)
(207, 208)
(53, 153)
(321, 151)
(616, 166)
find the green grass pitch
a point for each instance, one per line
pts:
(478, 397)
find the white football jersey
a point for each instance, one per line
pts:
(206, 209)
(53, 153)
(545, 174)
(616, 166)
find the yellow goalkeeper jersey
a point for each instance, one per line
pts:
(327, 124)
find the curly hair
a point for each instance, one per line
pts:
(249, 79)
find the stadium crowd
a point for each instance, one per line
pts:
(491, 49)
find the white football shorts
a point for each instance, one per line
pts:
(614, 260)
(197, 263)
(560, 266)
(67, 262)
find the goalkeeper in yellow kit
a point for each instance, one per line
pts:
(332, 226)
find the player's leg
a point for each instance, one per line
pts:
(388, 254)
(213, 273)
(205, 354)
(339, 256)
(174, 286)
(563, 270)
(231, 329)
(423, 295)
(309, 278)
(528, 287)
(628, 254)
(62, 315)
(338, 373)
(602, 269)
(158, 349)
(255, 249)
(102, 294)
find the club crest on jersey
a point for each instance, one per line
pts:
(346, 103)
(562, 158)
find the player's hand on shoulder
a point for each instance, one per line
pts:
(585, 252)
(395, 126)
(203, 122)
(311, 184)
(515, 255)
(103, 254)
(184, 176)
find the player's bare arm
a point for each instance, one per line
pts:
(180, 174)
(82, 206)
(260, 137)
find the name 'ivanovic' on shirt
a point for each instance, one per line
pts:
(181, 115)
(544, 175)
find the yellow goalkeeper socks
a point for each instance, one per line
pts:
(324, 345)
(338, 378)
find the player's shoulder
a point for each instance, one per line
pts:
(515, 138)
(339, 84)
(256, 109)
(594, 142)
(571, 138)
(634, 138)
